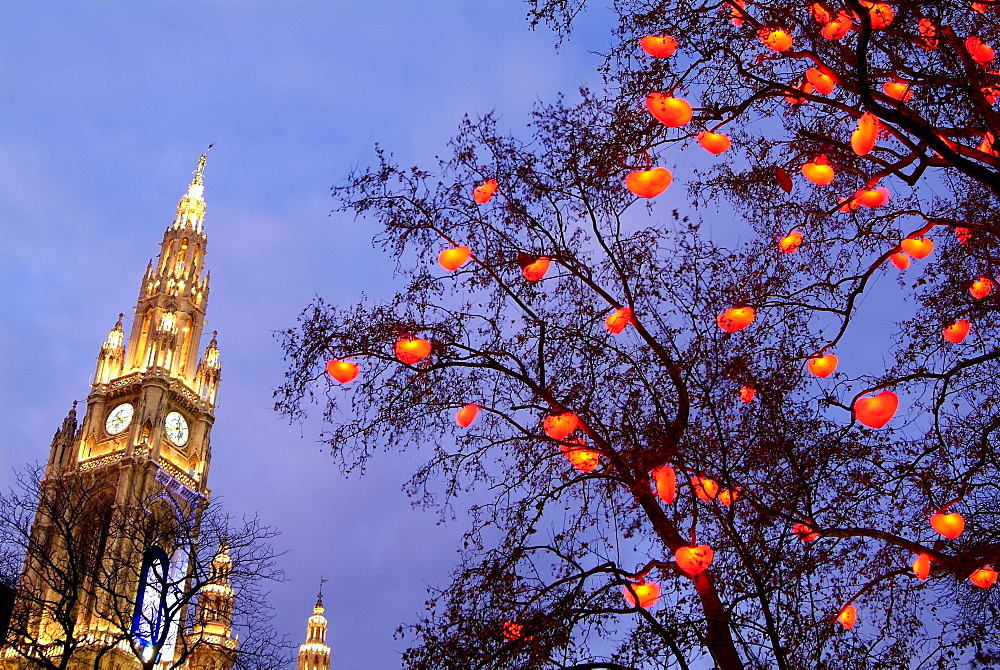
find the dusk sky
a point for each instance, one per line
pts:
(106, 107)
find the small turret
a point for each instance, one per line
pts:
(315, 653)
(112, 357)
(61, 450)
(209, 371)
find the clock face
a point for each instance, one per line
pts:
(119, 418)
(177, 429)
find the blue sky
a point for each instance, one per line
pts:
(106, 107)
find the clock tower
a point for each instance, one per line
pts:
(144, 443)
(151, 405)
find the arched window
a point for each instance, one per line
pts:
(149, 624)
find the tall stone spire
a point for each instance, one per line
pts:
(315, 653)
(170, 312)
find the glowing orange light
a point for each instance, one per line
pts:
(837, 28)
(775, 39)
(804, 532)
(694, 560)
(648, 183)
(876, 411)
(981, 288)
(898, 90)
(658, 46)
(559, 426)
(411, 349)
(582, 458)
(881, 14)
(822, 366)
(342, 371)
(666, 483)
(818, 171)
(950, 525)
(647, 594)
(984, 577)
(922, 567)
(747, 394)
(536, 269)
(714, 143)
(618, 320)
(918, 247)
(484, 192)
(874, 197)
(671, 112)
(956, 331)
(512, 631)
(706, 489)
(736, 318)
(848, 616)
(467, 415)
(791, 242)
(980, 51)
(900, 260)
(728, 496)
(864, 137)
(454, 258)
(822, 82)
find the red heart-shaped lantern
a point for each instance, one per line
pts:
(559, 426)
(666, 483)
(791, 242)
(714, 143)
(818, 171)
(646, 594)
(776, 40)
(484, 192)
(582, 458)
(864, 137)
(694, 560)
(454, 258)
(342, 371)
(874, 197)
(922, 566)
(897, 90)
(735, 318)
(876, 411)
(822, 366)
(804, 532)
(918, 247)
(900, 260)
(658, 46)
(411, 349)
(618, 320)
(950, 525)
(465, 416)
(671, 112)
(821, 81)
(536, 269)
(648, 183)
(984, 577)
(981, 288)
(956, 331)
(705, 488)
(848, 616)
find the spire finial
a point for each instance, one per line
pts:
(319, 598)
(200, 170)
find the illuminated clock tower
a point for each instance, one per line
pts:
(145, 434)
(152, 401)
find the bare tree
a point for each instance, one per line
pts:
(814, 510)
(153, 579)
